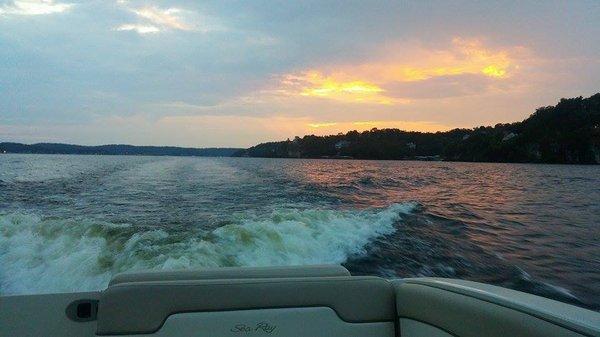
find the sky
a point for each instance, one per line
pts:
(237, 73)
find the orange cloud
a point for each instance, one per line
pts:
(315, 84)
(463, 57)
(366, 82)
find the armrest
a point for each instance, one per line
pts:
(466, 308)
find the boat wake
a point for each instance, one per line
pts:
(44, 255)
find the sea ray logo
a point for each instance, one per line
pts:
(259, 327)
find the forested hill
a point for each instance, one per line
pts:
(566, 133)
(117, 149)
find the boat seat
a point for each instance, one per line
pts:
(305, 301)
(331, 305)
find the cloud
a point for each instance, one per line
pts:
(140, 29)
(463, 62)
(327, 64)
(314, 84)
(462, 56)
(166, 18)
(34, 7)
(152, 19)
(441, 87)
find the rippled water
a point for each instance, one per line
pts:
(68, 223)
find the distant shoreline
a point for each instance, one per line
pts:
(114, 155)
(567, 133)
(114, 149)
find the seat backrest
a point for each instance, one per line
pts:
(343, 304)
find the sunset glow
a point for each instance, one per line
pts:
(315, 84)
(464, 56)
(283, 71)
(329, 128)
(366, 82)
(494, 71)
(321, 125)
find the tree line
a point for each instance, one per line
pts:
(568, 132)
(115, 149)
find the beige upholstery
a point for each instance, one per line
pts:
(469, 309)
(142, 307)
(283, 322)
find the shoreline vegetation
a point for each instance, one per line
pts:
(567, 133)
(115, 149)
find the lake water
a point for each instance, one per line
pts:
(67, 223)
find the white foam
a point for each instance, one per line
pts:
(42, 256)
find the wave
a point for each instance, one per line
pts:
(44, 255)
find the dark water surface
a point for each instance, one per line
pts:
(68, 223)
